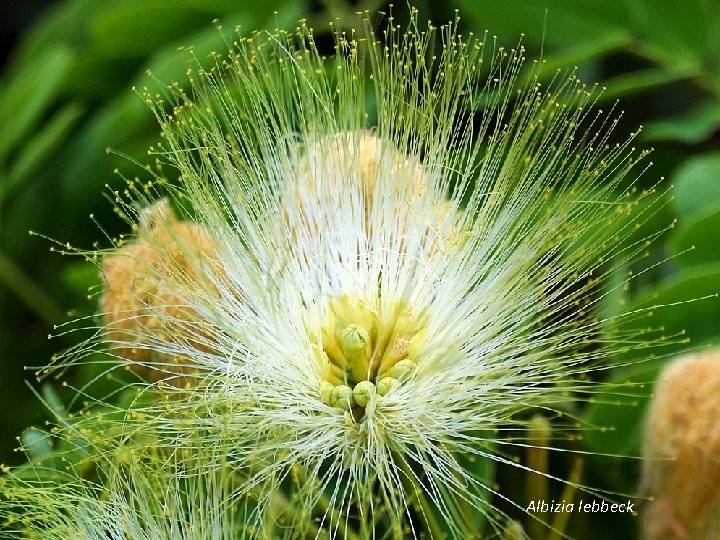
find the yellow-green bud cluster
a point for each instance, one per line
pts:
(366, 355)
(343, 397)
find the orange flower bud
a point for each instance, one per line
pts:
(145, 284)
(682, 450)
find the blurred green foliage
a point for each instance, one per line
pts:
(66, 96)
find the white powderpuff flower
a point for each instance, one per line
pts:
(138, 500)
(396, 250)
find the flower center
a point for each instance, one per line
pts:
(365, 354)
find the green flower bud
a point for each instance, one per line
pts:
(385, 384)
(355, 344)
(342, 397)
(326, 389)
(402, 369)
(363, 393)
(354, 338)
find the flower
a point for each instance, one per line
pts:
(138, 304)
(139, 499)
(370, 294)
(682, 450)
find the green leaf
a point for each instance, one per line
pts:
(693, 127)
(698, 239)
(127, 123)
(38, 149)
(680, 312)
(617, 413)
(583, 53)
(554, 23)
(28, 291)
(697, 185)
(120, 121)
(138, 28)
(483, 469)
(95, 78)
(639, 81)
(80, 277)
(675, 31)
(170, 65)
(64, 24)
(675, 34)
(134, 28)
(53, 401)
(612, 303)
(30, 94)
(36, 443)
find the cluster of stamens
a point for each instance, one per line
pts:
(365, 355)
